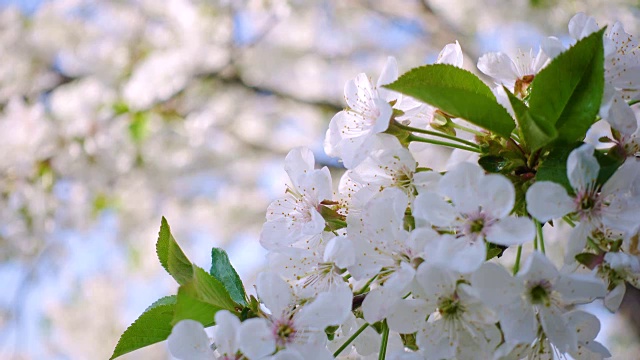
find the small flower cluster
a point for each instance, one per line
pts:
(403, 261)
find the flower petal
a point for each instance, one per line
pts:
(188, 341)
(328, 309)
(408, 316)
(274, 292)
(582, 168)
(547, 200)
(511, 231)
(256, 339)
(378, 304)
(580, 288)
(225, 334)
(557, 329)
(495, 285)
(497, 195)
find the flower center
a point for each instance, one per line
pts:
(450, 307)
(284, 332)
(476, 226)
(539, 293)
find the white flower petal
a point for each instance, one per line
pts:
(536, 268)
(388, 75)
(577, 242)
(451, 54)
(518, 322)
(435, 281)
(189, 341)
(308, 351)
(588, 325)
(461, 185)
(460, 254)
(614, 298)
(274, 292)
(557, 329)
(552, 46)
(408, 316)
(340, 251)
(582, 25)
(495, 285)
(433, 209)
(299, 161)
(329, 308)
(511, 231)
(226, 330)
(582, 167)
(256, 339)
(378, 304)
(382, 121)
(580, 288)
(500, 67)
(547, 200)
(497, 195)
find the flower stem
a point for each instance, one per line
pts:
(540, 235)
(442, 143)
(435, 133)
(385, 340)
(350, 340)
(469, 130)
(569, 221)
(633, 102)
(516, 267)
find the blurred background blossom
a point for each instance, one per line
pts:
(114, 113)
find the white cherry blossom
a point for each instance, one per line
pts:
(610, 206)
(296, 217)
(351, 131)
(536, 298)
(479, 210)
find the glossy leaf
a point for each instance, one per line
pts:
(458, 93)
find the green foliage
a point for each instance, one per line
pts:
(609, 163)
(536, 131)
(222, 270)
(458, 93)
(493, 163)
(567, 93)
(199, 297)
(154, 325)
(554, 166)
(171, 256)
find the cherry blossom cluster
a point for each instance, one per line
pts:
(404, 260)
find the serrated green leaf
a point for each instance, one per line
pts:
(154, 325)
(536, 131)
(167, 300)
(189, 306)
(457, 92)
(171, 256)
(222, 270)
(567, 92)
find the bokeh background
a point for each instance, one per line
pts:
(114, 113)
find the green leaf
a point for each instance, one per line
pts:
(457, 92)
(171, 256)
(190, 306)
(222, 270)
(167, 300)
(609, 163)
(536, 131)
(154, 325)
(493, 163)
(554, 166)
(567, 93)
